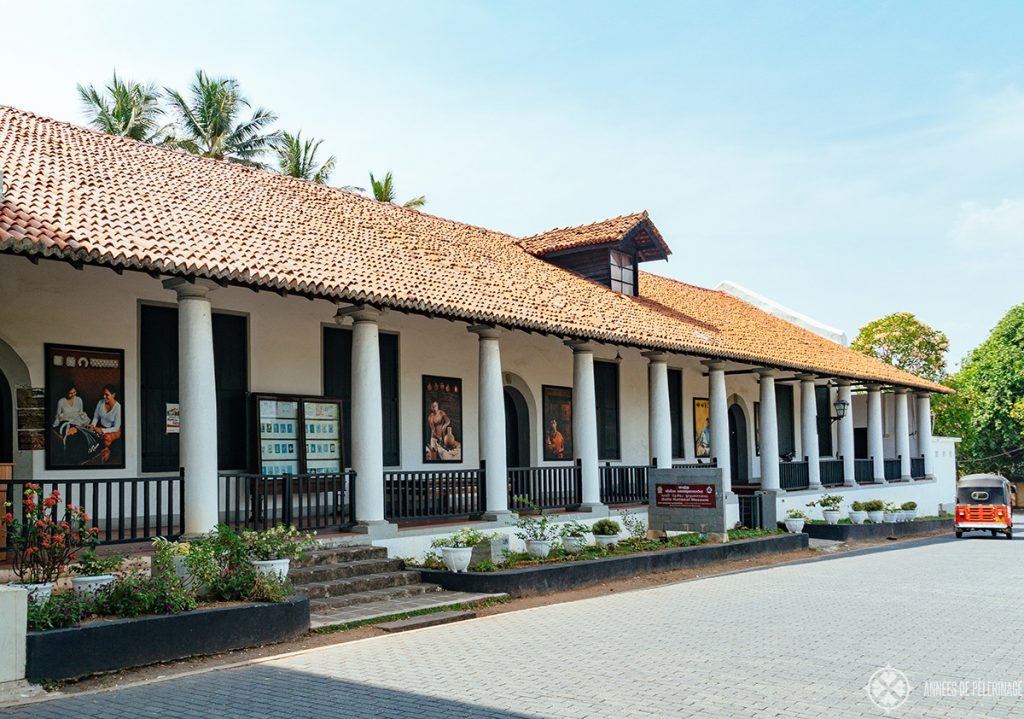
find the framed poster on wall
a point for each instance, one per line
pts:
(757, 428)
(84, 407)
(701, 427)
(442, 415)
(557, 422)
(298, 435)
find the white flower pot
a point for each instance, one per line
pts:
(457, 558)
(88, 586)
(858, 517)
(539, 548)
(180, 569)
(38, 593)
(890, 516)
(832, 516)
(795, 526)
(911, 514)
(273, 566)
(573, 544)
(606, 540)
(876, 517)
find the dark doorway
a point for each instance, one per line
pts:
(517, 429)
(739, 460)
(6, 421)
(860, 442)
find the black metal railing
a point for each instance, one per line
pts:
(832, 472)
(893, 471)
(123, 510)
(320, 500)
(917, 467)
(696, 464)
(553, 487)
(793, 475)
(623, 484)
(434, 494)
(751, 510)
(864, 471)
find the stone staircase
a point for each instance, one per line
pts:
(353, 582)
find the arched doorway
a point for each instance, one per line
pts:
(739, 460)
(517, 429)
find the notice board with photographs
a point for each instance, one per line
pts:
(298, 434)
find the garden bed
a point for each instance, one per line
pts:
(882, 530)
(543, 578)
(108, 644)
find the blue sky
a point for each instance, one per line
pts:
(846, 159)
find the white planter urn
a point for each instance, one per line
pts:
(890, 516)
(832, 516)
(573, 544)
(88, 586)
(606, 540)
(457, 558)
(38, 593)
(795, 526)
(273, 566)
(539, 548)
(858, 517)
(876, 517)
(181, 570)
(911, 514)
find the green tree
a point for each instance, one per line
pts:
(125, 108)
(296, 157)
(905, 342)
(384, 191)
(988, 410)
(210, 122)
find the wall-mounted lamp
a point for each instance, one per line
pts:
(841, 406)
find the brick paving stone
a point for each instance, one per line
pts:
(798, 640)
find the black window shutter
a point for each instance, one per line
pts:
(785, 417)
(823, 396)
(389, 397)
(606, 386)
(231, 368)
(675, 410)
(158, 387)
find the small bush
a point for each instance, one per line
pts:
(133, 594)
(909, 506)
(59, 611)
(606, 528)
(874, 505)
(465, 537)
(91, 564)
(857, 507)
(574, 529)
(795, 513)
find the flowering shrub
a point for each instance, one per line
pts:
(59, 611)
(134, 593)
(43, 546)
(280, 542)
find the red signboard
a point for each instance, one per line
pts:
(685, 496)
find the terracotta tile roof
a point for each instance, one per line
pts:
(652, 246)
(82, 196)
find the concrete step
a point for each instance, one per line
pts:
(426, 620)
(338, 555)
(328, 572)
(364, 583)
(385, 594)
(434, 598)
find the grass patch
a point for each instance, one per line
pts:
(753, 533)
(332, 628)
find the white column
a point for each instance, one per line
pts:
(769, 431)
(367, 419)
(809, 429)
(584, 422)
(659, 417)
(924, 431)
(845, 435)
(197, 400)
(491, 418)
(719, 416)
(902, 432)
(876, 443)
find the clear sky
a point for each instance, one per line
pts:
(845, 159)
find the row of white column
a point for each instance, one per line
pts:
(198, 407)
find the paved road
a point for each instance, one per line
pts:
(791, 641)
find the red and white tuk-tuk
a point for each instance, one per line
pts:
(984, 502)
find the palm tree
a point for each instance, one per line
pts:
(297, 158)
(384, 191)
(210, 123)
(125, 108)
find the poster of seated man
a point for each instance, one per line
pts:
(442, 428)
(85, 409)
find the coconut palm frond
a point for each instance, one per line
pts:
(125, 108)
(416, 202)
(297, 158)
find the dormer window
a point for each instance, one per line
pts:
(623, 273)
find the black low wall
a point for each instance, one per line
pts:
(106, 645)
(559, 576)
(882, 530)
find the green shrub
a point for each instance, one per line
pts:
(59, 611)
(133, 594)
(634, 525)
(529, 528)
(874, 505)
(795, 513)
(909, 505)
(606, 528)
(280, 542)
(574, 529)
(465, 537)
(91, 564)
(828, 502)
(857, 507)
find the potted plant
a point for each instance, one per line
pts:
(874, 508)
(42, 547)
(911, 509)
(574, 536)
(795, 519)
(857, 513)
(272, 550)
(535, 530)
(457, 549)
(94, 572)
(606, 532)
(175, 552)
(891, 513)
(829, 504)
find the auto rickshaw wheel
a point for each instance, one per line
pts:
(993, 532)
(1009, 534)
(959, 533)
